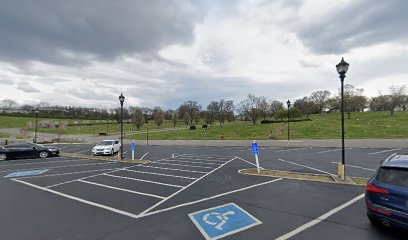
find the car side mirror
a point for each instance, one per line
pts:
(34, 148)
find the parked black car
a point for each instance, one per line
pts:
(27, 150)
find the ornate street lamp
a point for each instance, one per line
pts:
(342, 68)
(121, 100)
(288, 103)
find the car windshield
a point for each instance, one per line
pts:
(393, 176)
(104, 143)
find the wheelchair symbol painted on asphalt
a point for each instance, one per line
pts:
(224, 220)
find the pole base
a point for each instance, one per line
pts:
(342, 171)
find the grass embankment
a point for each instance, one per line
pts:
(360, 125)
(230, 131)
(322, 126)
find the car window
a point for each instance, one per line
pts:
(116, 142)
(104, 143)
(393, 176)
(14, 146)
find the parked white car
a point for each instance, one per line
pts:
(106, 147)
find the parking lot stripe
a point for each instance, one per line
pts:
(143, 180)
(209, 156)
(390, 150)
(87, 150)
(173, 169)
(253, 164)
(188, 162)
(333, 150)
(208, 198)
(290, 150)
(307, 167)
(75, 165)
(121, 189)
(184, 165)
(172, 195)
(319, 219)
(144, 155)
(115, 210)
(205, 160)
(21, 164)
(160, 174)
(354, 166)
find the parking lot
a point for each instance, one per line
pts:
(80, 198)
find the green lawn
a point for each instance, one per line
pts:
(360, 125)
(322, 126)
(237, 130)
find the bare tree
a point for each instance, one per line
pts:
(174, 118)
(306, 106)
(212, 111)
(158, 116)
(191, 107)
(186, 118)
(274, 107)
(250, 107)
(397, 97)
(138, 118)
(319, 98)
(263, 107)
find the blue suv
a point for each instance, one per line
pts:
(387, 193)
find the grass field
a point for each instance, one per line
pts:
(322, 126)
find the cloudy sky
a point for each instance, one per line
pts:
(163, 52)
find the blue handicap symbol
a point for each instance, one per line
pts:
(26, 173)
(133, 146)
(224, 220)
(255, 149)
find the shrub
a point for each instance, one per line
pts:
(205, 126)
(193, 128)
(267, 121)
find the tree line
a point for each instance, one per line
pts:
(253, 108)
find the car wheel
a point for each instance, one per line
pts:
(43, 154)
(3, 156)
(112, 152)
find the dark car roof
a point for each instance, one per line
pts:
(396, 160)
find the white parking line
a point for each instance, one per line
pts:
(390, 150)
(307, 167)
(188, 162)
(354, 166)
(334, 150)
(143, 180)
(208, 156)
(144, 156)
(249, 162)
(160, 174)
(184, 165)
(208, 198)
(76, 165)
(122, 189)
(172, 195)
(319, 219)
(290, 150)
(115, 210)
(69, 173)
(204, 160)
(173, 169)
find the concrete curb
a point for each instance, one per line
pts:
(359, 181)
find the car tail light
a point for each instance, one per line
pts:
(384, 212)
(375, 189)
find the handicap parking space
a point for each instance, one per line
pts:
(100, 199)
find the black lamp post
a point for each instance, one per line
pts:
(288, 103)
(36, 111)
(342, 68)
(121, 100)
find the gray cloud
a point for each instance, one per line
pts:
(61, 31)
(359, 24)
(26, 87)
